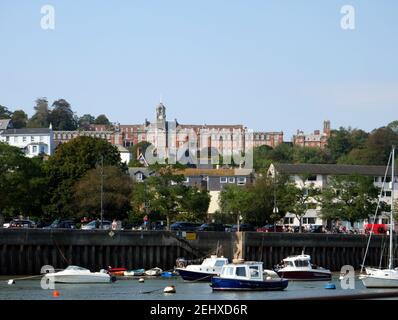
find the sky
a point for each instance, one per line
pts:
(275, 65)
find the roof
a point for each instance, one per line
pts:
(122, 149)
(215, 172)
(146, 171)
(330, 169)
(26, 131)
(4, 123)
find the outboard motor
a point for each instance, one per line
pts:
(181, 263)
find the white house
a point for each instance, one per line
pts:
(33, 141)
(320, 174)
(125, 154)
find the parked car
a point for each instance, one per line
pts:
(184, 226)
(270, 228)
(243, 227)
(95, 224)
(6, 224)
(317, 229)
(62, 224)
(20, 223)
(211, 227)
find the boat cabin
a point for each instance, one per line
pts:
(214, 261)
(247, 270)
(301, 261)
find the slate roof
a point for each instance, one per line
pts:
(26, 131)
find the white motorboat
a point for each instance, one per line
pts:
(203, 272)
(300, 268)
(388, 277)
(75, 274)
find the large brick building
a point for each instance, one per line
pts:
(317, 139)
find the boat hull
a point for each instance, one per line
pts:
(381, 279)
(224, 284)
(311, 275)
(188, 275)
(79, 278)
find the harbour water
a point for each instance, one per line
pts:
(152, 289)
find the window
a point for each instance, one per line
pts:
(289, 220)
(241, 180)
(231, 180)
(384, 221)
(139, 176)
(223, 180)
(308, 220)
(8, 139)
(312, 178)
(387, 193)
(34, 149)
(302, 263)
(32, 139)
(254, 273)
(241, 271)
(41, 138)
(311, 205)
(388, 179)
(219, 263)
(24, 139)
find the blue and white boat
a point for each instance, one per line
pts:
(247, 276)
(209, 268)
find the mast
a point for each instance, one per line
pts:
(390, 264)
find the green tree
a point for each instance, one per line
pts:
(194, 204)
(23, 183)
(234, 200)
(117, 188)
(62, 116)
(393, 126)
(349, 198)
(86, 121)
(310, 155)
(264, 196)
(69, 163)
(102, 119)
(296, 198)
(19, 119)
(5, 113)
(262, 157)
(41, 117)
(166, 192)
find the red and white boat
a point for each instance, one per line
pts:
(300, 268)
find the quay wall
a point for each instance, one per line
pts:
(25, 251)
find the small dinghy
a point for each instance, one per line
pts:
(153, 272)
(117, 271)
(137, 272)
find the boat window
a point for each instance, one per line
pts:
(75, 268)
(241, 271)
(289, 264)
(229, 271)
(219, 263)
(302, 263)
(254, 273)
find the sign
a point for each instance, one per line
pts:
(190, 236)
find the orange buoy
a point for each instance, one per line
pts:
(55, 294)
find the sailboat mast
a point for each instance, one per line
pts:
(390, 265)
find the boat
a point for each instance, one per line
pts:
(246, 276)
(379, 277)
(153, 272)
(75, 274)
(117, 271)
(203, 272)
(137, 272)
(299, 267)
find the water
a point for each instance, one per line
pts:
(133, 290)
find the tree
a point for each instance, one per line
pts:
(117, 187)
(19, 119)
(349, 198)
(310, 155)
(69, 163)
(41, 118)
(194, 204)
(297, 198)
(5, 113)
(234, 200)
(264, 196)
(62, 116)
(167, 192)
(23, 183)
(85, 122)
(261, 157)
(102, 119)
(393, 126)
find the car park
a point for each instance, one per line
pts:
(211, 227)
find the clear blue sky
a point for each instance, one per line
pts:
(270, 65)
